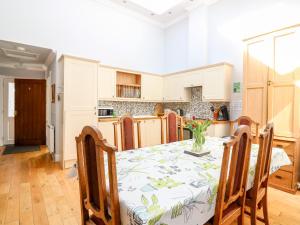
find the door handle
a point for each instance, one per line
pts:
(16, 113)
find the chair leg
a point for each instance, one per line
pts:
(253, 215)
(265, 210)
(241, 218)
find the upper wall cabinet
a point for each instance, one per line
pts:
(121, 85)
(106, 83)
(217, 83)
(152, 88)
(174, 89)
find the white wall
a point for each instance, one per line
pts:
(85, 28)
(197, 37)
(176, 47)
(228, 22)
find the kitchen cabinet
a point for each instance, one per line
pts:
(79, 101)
(219, 130)
(107, 131)
(106, 83)
(193, 79)
(215, 80)
(150, 132)
(217, 84)
(174, 89)
(152, 87)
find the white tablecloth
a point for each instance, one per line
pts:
(161, 185)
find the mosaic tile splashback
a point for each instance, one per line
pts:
(196, 107)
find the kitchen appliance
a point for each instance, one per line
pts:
(179, 112)
(223, 113)
(105, 112)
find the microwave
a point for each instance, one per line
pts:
(105, 112)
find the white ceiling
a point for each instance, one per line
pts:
(165, 13)
(20, 57)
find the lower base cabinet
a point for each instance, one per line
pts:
(218, 130)
(286, 177)
(150, 132)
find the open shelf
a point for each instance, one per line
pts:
(128, 85)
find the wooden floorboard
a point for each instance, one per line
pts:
(34, 190)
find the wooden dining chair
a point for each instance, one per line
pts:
(172, 123)
(245, 120)
(257, 195)
(231, 193)
(98, 205)
(126, 124)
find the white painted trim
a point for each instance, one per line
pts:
(1, 111)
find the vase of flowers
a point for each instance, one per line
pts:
(198, 129)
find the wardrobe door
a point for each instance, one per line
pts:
(283, 94)
(257, 56)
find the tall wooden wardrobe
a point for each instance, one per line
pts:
(272, 94)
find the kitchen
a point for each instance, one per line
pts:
(195, 99)
(145, 96)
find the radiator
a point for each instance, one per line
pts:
(51, 140)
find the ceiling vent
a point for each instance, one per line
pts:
(20, 54)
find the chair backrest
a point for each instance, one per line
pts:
(244, 120)
(171, 124)
(233, 178)
(262, 170)
(127, 133)
(94, 196)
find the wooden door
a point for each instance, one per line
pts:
(283, 107)
(257, 58)
(30, 116)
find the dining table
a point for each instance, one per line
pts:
(162, 185)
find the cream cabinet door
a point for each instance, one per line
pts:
(106, 83)
(283, 108)
(152, 88)
(216, 84)
(74, 121)
(150, 132)
(107, 131)
(175, 90)
(193, 79)
(80, 84)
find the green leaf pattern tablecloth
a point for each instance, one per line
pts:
(161, 185)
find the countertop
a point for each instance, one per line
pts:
(150, 117)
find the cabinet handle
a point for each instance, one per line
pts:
(279, 146)
(279, 177)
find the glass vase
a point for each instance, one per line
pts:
(198, 142)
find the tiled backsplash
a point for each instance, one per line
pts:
(196, 107)
(134, 108)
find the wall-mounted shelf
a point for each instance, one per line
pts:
(128, 85)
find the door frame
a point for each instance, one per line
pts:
(6, 139)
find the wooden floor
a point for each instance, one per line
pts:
(33, 190)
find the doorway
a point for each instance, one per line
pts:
(24, 112)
